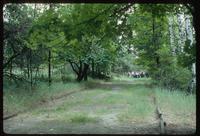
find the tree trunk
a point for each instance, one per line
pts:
(30, 59)
(196, 24)
(37, 72)
(85, 71)
(154, 40)
(171, 35)
(92, 68)
(181, 39)
(79, 77)
(81, 70)
(85, 77)
(82, 74)
(49, 67)
(155, 45)
(11, 70)
(28, 74)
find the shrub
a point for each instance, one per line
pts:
(175, 78)
(169, 73)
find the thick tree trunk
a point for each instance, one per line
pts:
(79, 77)
(82, 74)
(85, 71)
(85, 77)
(81, 70)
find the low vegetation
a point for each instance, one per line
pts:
(132, 102)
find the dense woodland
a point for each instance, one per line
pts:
(97, 40)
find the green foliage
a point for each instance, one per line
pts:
(154, 51)
(176, 77)
(170, 74)
(187, 57)
(17, 21)
(96, 39)
(126, 64)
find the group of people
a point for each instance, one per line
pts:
(138, 74)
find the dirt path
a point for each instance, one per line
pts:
(52, 118)
(42, 124)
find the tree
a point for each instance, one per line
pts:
(156, 52)
(17, 21)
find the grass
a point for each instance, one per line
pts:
(20, 99)
(132, 102)
(177, 99)
(82, 118)
(176, 104)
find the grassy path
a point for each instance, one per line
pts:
(103, 107)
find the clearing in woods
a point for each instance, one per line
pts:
(109, 107)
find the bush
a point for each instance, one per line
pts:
(175, 78)
(169, 73)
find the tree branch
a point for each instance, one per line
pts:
(71, 63)
(14, 56)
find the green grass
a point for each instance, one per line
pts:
(82, 118)
(138, 106)
(177, 104)
(20, 99)
(178, 101)
(132, 102)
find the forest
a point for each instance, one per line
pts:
(99, 68)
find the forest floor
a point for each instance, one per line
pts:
(115, 107)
